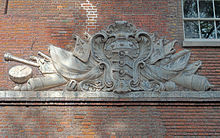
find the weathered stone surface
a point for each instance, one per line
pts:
(144, 96)
(119, 59)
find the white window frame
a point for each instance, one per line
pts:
(188, 42)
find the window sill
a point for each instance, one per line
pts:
(201, 43)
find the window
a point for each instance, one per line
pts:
(201, 20)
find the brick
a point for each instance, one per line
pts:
(92, 27)
(79, 117)
(88, 133)
(59, 129)
(86, 123)
(64, 123)
(88, 5)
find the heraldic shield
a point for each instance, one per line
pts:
(121, 50)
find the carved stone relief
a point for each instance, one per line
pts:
(119, 59)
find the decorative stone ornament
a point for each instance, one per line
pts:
(120, 59)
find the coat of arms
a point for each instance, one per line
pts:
(119, 59)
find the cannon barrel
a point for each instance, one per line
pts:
(9, 57)
(44, 55)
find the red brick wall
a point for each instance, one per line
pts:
(29, 26)
(106, 121)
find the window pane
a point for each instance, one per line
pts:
(206, 9)
(190, 8)
(191, 29)
(218, 28)
(207, 29)
(217, 8)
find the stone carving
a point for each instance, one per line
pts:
(120, 59)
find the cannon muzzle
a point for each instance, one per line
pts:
(9, 57)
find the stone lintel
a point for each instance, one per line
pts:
(79, 98)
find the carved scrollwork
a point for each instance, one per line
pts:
(145, 51)
(98, 43)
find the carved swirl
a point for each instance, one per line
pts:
(145, 51)
(145, 45)
(98, 42)
(97, 46)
